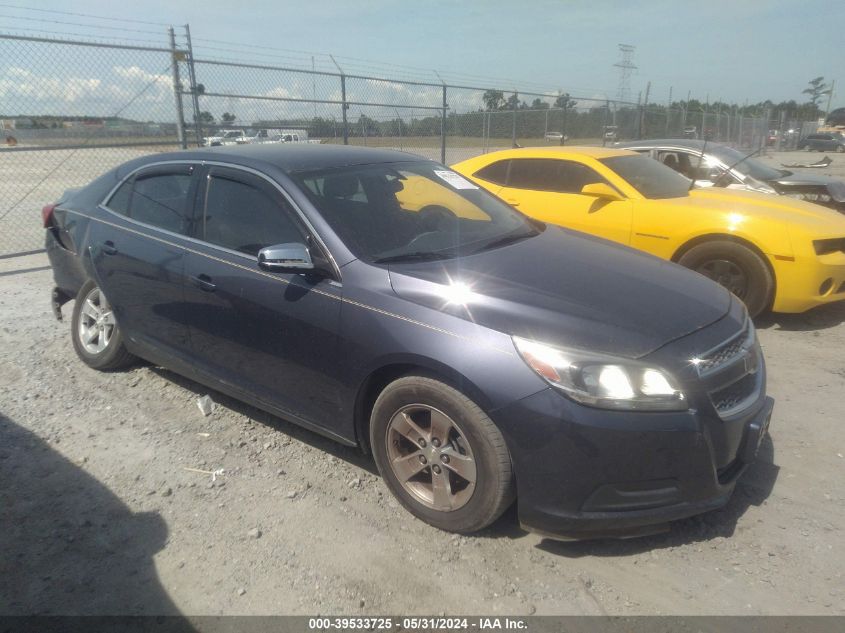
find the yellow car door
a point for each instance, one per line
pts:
(550, 190)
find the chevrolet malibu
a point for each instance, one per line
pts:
(480, 357)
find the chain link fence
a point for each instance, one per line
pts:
(71, 110)
(68, 113)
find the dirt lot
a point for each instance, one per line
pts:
(99, 512)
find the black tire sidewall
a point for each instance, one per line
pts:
(111, 356)
(760, 282)
(481, 509)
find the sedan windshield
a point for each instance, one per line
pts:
(393, 212)
(652, 179)
(748, 167)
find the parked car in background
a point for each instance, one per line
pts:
(823, 142)
(725, 166)
(772, 252)
(224, 137)
(479, 359)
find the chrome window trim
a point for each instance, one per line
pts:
(250, 170)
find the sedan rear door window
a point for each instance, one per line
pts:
(158, 197)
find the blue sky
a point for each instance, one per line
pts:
(736, 51)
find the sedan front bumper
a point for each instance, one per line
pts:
(590, 473)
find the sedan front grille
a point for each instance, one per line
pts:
(734, 397)
(727, 352)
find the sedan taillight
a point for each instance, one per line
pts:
(47, 214)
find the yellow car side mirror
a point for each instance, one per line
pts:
(601, 190)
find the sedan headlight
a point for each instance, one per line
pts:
(600, 380)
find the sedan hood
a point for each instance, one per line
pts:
(567, 288)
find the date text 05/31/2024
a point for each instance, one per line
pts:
(416, 623)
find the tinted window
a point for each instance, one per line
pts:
(651, 178)
(161, 200)
(496, 173)
(119, 202)
(246, 217)
(414, 210)
(561, 176)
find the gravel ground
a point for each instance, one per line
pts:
(101, 514)
(102, 510)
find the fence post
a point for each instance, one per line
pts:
(513, 127)
(563, 123)
(443, 128)
(344, 106)
(192, 76)
(175, 55)
(603, 130)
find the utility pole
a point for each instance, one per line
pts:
(643, 109)
(829, 97)
(626, 66)
(668, 111)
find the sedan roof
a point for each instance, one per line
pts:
(294, 157)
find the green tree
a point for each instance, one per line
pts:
(206, 117)
(228, 118)
(817, 89)
(539, 104)
(565, 101)
(493, 99)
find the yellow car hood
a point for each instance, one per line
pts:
(812, 217)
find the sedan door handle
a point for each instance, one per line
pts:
(512, 202)
(203, 282)
(109, 248)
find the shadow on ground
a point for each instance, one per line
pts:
(69, 546)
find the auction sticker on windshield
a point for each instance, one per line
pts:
(457, 181)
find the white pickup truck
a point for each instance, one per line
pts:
(225, 137)
(286, 136)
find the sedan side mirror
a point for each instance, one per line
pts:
(601, 190)
(286, 258)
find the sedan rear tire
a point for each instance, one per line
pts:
(96, 336)
(440, 455)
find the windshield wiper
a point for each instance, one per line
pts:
(505, 240)
(419, 256)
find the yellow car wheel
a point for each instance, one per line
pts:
(737, 268)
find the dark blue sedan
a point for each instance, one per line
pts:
(479, 355)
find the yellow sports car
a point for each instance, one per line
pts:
(773, 252)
